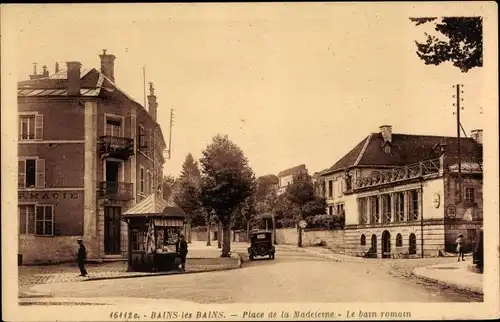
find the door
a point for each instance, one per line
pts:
(112, 230)
(386, 244)
(112, 172)
(374, 245)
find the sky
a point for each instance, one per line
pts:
(289, 83)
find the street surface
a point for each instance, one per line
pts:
(294, 276)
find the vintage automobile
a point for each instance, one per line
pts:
(261, 244)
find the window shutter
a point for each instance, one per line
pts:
(21, 173)
(39, 127)
(40, 173)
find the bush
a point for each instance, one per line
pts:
(326, 221)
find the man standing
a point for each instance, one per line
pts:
(82, 255)
(182, 249)
(460, 247)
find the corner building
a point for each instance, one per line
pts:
(87, 152)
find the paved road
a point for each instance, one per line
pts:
(294, 276)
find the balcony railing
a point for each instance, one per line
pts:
(117, 147)
(408, 172)
(116, 190)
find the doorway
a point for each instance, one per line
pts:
(386, 244)
(374, 245)
(112, 230)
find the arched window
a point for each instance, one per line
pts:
(399, 240)
(413, 244)
(363, 240)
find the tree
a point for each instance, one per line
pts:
(168, 186)
(245, 214)
(227, 180)
(187, 194)
(463, 43)
(303, 202)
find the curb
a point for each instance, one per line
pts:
(447, 284)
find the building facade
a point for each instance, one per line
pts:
(87, 152)
(403, 195)
(285, 177)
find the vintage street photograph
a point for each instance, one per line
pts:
(265, 155)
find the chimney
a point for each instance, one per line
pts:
(45, 71)
(57, 68)
(73, 78)
(386, 131)
(152, 104)
(477, 135)
(35, 75)
(108, 65)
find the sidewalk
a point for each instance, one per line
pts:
(200, 259)
(325, 253)
(455, 275)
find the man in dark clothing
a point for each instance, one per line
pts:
(182, 249)
(82, 255)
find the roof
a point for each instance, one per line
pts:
(154, 205)
(292, 171)
(93, 83)
(405, 149)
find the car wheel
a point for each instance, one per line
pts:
(272, 256)
(250, 257)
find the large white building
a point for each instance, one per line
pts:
(402, 194)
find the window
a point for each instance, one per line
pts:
(412, 249)
(113, 127)
(340, 187)
(330, 188)
(340, 209)
(44, 220)
(374, 210)
(141, 180)
(399, 240)
(414, 205)
(31, 127)
(142, 138)
(150, 184)
(26, 219)
(469, 195)
(387, 208)
(363, 240)
(330, 210)
(31, 173)
(36, 219)
(138, 238)
(400, 206)
(363, 211)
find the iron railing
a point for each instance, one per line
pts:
(116, 190)
(403, 173)
(117, 146)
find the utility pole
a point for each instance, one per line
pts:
(459, 127)
(144, 84)
(170, 133)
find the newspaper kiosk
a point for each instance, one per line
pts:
(154, 228)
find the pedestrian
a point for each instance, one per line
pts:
(460, 247)
(182, 250)
(82, 256)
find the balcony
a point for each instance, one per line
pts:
(120, 191)
(116, 147)
(413, 171)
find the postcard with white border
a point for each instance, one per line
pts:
(250, 161)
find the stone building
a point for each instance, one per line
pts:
(86, 152)
(403, 195)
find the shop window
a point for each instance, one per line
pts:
(414, 205)
(26, 219)
(44, 220)
(399, 240)
(412, 249)
(31, 173)
(138, 239)
(363, 240)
